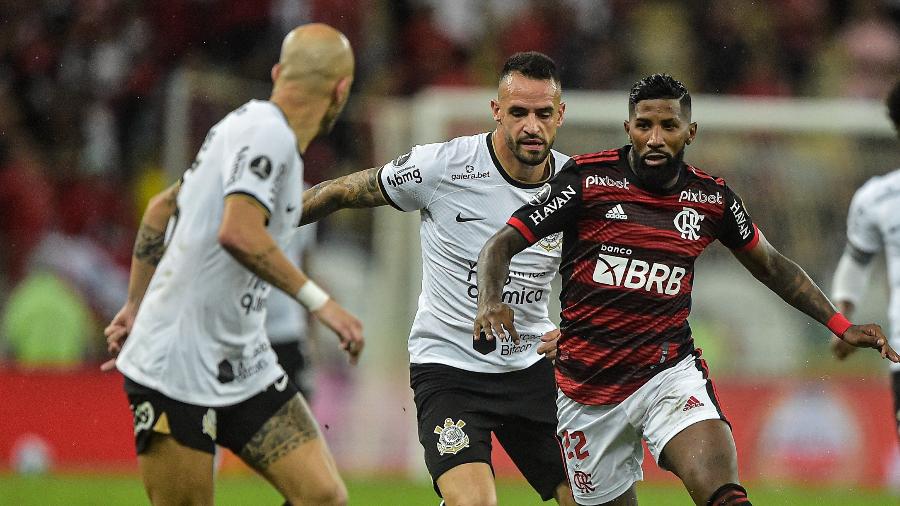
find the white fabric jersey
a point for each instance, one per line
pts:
(873, 225)
(286, 319)
(465, 197)
(199, 336)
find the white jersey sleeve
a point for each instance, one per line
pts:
(257, 166)
(863, 230)
(410, 181)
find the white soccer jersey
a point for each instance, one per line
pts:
(286, 319)
(199, 336)
(465, 197)
(873, 225)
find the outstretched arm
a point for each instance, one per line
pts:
(494, 317)
(791, 283)
(851, 278)
(356, 190)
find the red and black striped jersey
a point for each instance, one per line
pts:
(627, 267)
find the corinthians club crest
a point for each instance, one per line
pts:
(452, 438)
(551, 242)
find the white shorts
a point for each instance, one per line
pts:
(602, 444)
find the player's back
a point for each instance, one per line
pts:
(198, 336)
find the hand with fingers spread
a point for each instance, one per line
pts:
(495, 320)
(116, 333)
(547, 347)
(870, 335)
(345, 325)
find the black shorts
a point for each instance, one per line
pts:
(294, 359)
(201, 427)
(458, 410)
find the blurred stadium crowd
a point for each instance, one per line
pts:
(83, 82)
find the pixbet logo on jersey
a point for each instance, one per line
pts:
(614, 270)
(605, 181)
(699, 197)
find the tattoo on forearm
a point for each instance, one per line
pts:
(793, 285)
(289, 428)
(150, 245)
(356, 190)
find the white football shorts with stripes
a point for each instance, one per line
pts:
(602, 444)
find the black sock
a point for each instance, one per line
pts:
(730, 494)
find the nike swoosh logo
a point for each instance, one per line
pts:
(290, 209)
(281, 384)
(460, 219)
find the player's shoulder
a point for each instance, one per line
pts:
(702, 176)
(878, 186)
(261, 114)
(605, 157)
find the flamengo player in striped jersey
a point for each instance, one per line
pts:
(465, 189)
(199, 369)
(873, 225)
(634, 220)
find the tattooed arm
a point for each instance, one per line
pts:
(243, 234)
(356, 190)
(791, 283)
(149, 247)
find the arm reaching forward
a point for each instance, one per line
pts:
(791, 283)
(356, 190)
(494, 318)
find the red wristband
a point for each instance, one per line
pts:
(838, 324)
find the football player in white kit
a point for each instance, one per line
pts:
(198, 366)
(873, 225)
(463, 189)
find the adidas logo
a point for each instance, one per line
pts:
(617, 213)
(692, 403)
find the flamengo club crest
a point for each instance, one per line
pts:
(688, 223)
(582, 482)
(452, 438)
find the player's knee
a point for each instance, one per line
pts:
(730, 494)
(472, 497)
(333, 494)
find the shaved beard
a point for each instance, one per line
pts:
(659, 178)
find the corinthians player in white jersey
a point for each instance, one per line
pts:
(464, 189)
(199, 369)
(873, 226)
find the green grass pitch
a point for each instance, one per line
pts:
(96, 489)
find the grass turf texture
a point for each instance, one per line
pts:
(245, 490)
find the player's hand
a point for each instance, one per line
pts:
(841, 349)
(345, 325)
(870, 335)
(495, 319)
(116, 333)
(547, 347)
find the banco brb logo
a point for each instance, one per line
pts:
(688, 223)
(632, 273)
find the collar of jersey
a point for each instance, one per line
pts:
(509, 179)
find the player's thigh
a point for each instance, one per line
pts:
(275, 433)
(289, 452)
(454, 430)
(686, 430)
(468, 484)
(174, 474)
(602, 451)
(175, 445)
(531, 442)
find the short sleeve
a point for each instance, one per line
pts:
(409, 181)
(553, 208)
(738, 231)
(255, 168)
(862, 222)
